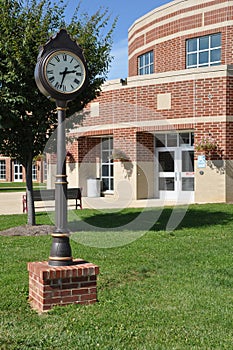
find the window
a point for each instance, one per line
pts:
(204, 51)
(18, 171)
(34, 172)
(146, 63)
(107, 164)
(174, 140)
(2, 169)
(45, 170)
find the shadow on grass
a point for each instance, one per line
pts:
(154, 219)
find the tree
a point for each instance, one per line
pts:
(27, 118)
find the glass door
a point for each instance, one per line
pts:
(175, 169)
(185, 175)
(175, 166)
(187, 170)
(167, 177)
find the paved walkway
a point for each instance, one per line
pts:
(11, 203)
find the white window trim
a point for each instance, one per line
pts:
(198, 51)
(34, 172)
(150, 64)
(109, 150)
(2, 169)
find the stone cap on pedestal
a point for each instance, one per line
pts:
(79, 268)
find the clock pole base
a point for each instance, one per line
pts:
(62, 285)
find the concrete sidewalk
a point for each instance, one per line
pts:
(11, 203)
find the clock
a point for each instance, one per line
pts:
(64, 72)
(61, 69)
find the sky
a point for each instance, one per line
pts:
(127, 11)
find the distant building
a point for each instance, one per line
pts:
(12, 171)
(169, 125)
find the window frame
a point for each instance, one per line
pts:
(18, 171)
(163, 140)
(34, 172)
(144, 65)
(207, 50)
(2, 169)
(45, 170)
(107, 163)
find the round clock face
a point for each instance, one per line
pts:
(65, 72)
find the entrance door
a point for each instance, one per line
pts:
(186, 174)
(18, 172)
(175, 174)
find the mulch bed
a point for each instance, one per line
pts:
(28, 230)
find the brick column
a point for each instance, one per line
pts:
(62, 285)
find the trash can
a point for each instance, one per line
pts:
(93, 187)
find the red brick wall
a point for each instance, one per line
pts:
(170, 54)
(203, 97)
(210, 97)
(145, 147)
(182, 11)
(229, 141)
(216, 132)
(8, 170)
(125, 140)
(86, 149)
(229, 96)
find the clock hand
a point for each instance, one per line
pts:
(66, 71)
(64, 74)
(71, 71)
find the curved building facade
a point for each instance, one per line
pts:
(166, 131)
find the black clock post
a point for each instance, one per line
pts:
(60, 254)
(61, 74)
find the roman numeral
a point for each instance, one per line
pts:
(79, 74)
(77, 66)
(57, 85)
(51, 79)
(71, 60)
(64, 88)
(57, 58)
(76, 81)
(64, 57)
(50, 71)
(52, 64)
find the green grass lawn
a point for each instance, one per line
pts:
(167, 290)
(18, 186)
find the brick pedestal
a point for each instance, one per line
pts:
(62, 285)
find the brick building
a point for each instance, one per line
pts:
(167, 130)
(12, 171)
